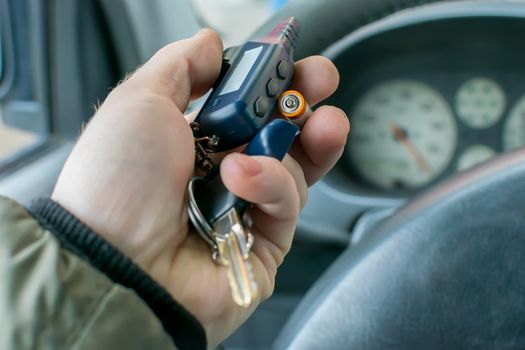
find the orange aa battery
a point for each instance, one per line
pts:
(293, 106)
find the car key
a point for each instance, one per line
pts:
(219, 216)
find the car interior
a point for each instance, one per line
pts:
(415, 240)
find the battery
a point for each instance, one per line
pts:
(292, 105)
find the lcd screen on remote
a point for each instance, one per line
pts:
(242, 70)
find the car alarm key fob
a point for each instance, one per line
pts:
(244, 98)
(242, 108)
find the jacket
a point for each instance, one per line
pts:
(51, 298)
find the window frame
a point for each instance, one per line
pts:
(6, 50)
(23, 92)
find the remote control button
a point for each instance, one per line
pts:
(284, 69)
(272, 88)
(261, 106)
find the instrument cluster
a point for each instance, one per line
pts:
(427, 99)
(406, 133)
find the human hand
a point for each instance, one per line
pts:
(126, 178)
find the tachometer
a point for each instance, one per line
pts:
(480, 102)
(514, 130)
(403, 135)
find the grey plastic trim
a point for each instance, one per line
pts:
(1, 56)
(7, 66)
(39, 46)
(66, 98)
(36, 179)
(25, 104)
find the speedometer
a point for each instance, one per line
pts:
(403, 135)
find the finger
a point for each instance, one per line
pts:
(182, 70)
(294, 168)
(263, 181)
(321, 142)
(316, 78)
(267, 183)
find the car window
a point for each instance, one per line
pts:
(1, 60)
(11, 139)
(19, 109)
(236, 20)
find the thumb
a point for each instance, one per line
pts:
(182, 70)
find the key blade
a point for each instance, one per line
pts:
(234, 251)
(240, 274)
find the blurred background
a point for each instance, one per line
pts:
(235, 20)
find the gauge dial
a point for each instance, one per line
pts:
(474, 155)
(480, 103)
(403, 135)
(514, 130)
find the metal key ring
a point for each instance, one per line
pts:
(196, 217)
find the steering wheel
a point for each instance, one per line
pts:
(445, 271)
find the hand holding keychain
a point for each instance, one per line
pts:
(249, 103)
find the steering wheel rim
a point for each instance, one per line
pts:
(335, 18)
(474, 266)
(443, 272)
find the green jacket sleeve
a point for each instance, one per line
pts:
(51, 299)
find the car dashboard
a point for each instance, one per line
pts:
(438, 104)
(430, 93)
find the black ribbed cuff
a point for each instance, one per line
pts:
(185, 331)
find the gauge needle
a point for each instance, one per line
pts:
(401, 136)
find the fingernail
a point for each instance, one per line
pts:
(250, 166)
(343, 113)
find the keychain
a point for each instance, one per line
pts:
(250, 104)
